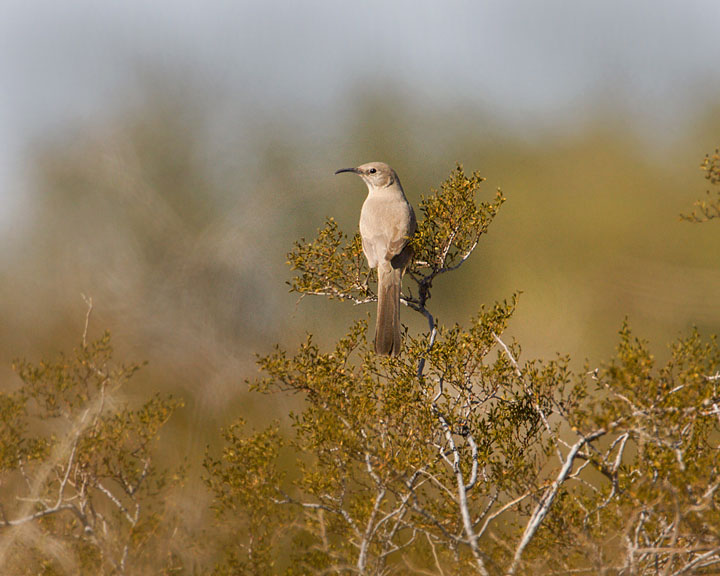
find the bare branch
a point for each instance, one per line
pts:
(462, 500)
(117, 503)
(431, 341)
(536, 406)
(502, 509)
(369, 530)
(547, 500)
(474, 456)
(700, 560)
(438, 565)
(89, 302)
(462, 260)
(39, 514)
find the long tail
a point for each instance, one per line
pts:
(387, 329)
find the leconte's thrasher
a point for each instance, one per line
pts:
(387, 222)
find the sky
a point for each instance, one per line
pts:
(528, 63)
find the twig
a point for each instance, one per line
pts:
(434, 553)
(536, 405)
(89, 302)
(502, 509)
(431, 342)
(465, 256)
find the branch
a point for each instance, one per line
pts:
(698, 560)
(59, 505)
(474, 455)
(548, 498)
(369, 530)
(434, 553)
(40, 514)
(64, 481)
(340, 295)
(502, 509)
(117, 503)
(314, 506)
(89, 302)
(462, 260)
(462, 499)
(536, 405)
(431, 342)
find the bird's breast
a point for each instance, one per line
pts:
(385, 226)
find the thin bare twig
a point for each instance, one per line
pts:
(88, 300)
(536, 405)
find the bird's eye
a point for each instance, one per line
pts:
(372, 170)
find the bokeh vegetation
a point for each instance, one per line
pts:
(710, 207)
(180, 234)
(82, 491)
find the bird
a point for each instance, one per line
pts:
(387, 223)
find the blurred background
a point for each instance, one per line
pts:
(161, 157)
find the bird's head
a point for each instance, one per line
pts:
(375, 174)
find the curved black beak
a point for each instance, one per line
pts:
(354, 170)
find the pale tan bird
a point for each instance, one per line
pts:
(387, 222)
